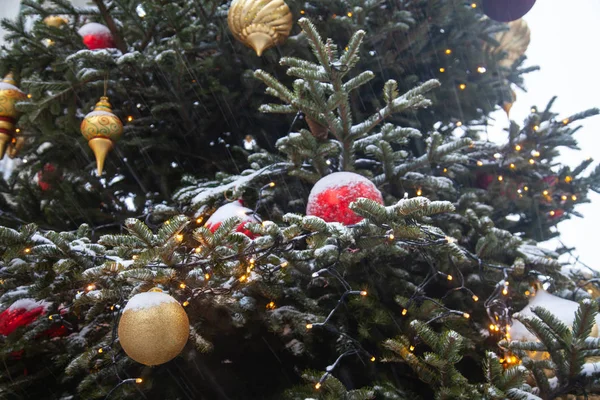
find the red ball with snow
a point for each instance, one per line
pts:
(230, 210)
(96, 36)
(21, 313)
(332, 195)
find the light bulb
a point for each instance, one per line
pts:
(349, 14)
(462, 86)
(404, 311)
(139, 380)
(513, 166)
(448, 51)
(475, 298)
(442, 70)
(481, 70)
(309, 326)
(363, 292)
(518, 147)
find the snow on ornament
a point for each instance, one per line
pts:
(332, 195)
(153, 328)
(21, 313)
(230, 210)
(563, 309)
(96, 36)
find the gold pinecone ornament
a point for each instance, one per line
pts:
(153, 328)
(10, 94)
(101, 128)
(513, 42)
(260, 24)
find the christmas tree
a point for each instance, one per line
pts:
(284, 200)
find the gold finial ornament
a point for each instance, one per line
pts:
(507, 105)
(101, 128)
(260, 24)
(10, 94)
(16, 145)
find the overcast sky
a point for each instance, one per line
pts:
(564, 42)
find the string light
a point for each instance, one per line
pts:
(179, 237)
(198, 250)
(363, 293)
(535, 153)
(100, 350)
(243, 278)
(527, 293)
(349, 14)
(568, 179)
(473, 5)
(419, 192)
(475, 298)
(404, 311)
(512, 166)
(545, 193)
(442, 70)
(505, 291)
(518, 147)
(29, 95)
(449, 277)
(90, 287)
(565, 121)
(563, 197)
(411, 348)
(466, 315)
(500, 178)
(185, 303)
(533, 110)
(302, 12)
(373, 359)
(207, 276)
(199, 220)
(17, 130)
(271, 184)
(497, 156)
(462, 86)
(138, 380)
(552, 213)
(328, 162)
(590, 291)
(536, 127)
(284, 264)
(135, 257)
(531, 161)
(50, 317)
(445, 170)
(459, 124)
(448, 51)
(318, 385)
(481, 70)
(309, 326)
(574, 198)
(492, 327)
(270, 305)
(526, 188)
(479, 163)
(182, 285)
(129, 118)
(27, 250)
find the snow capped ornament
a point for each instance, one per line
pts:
(230, 210)
(260, 24)
(562, 309)
(9, 96)
(154, 328)
(506, 10)
(332, 195)
(101, 128)
(21, 313)
(96, 36)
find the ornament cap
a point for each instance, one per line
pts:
(103, 105)
(100, 146)
(10, 79)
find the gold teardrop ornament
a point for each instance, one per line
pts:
(10, 94)
(260, 24)
(102, 129)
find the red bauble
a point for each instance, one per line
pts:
(483, 180)
(555, 214)
(331, 196)
(96, 36)
(45, 175)
(230, 210)
(506, 10)
(20, 313)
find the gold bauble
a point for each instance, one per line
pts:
(55, 21)
(154, 328)
(101, 128)
(9, 96)
(260, 24)
(513, 42)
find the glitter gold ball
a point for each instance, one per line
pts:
(9, 96)
(154, 328)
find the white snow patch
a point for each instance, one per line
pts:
(590, 368)
(230, 210)
(148, 300)
(94, 28)
(28, 304)
(100, 112)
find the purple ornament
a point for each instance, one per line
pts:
(506, 10)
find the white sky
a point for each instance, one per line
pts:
(564, 42)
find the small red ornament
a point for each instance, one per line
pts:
(506, 10)
(96, 36)
(332, 195)
(555, 214)
(55, 331)
(45, 175)
(230, 210)
(21, 313)
(551, 180)
(483, 180)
